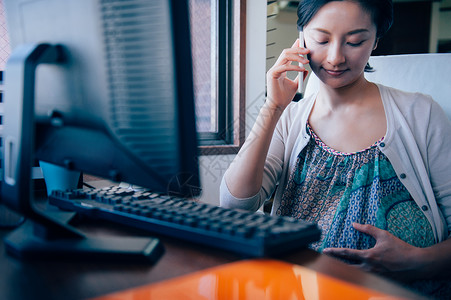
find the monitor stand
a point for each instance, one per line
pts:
(34, 241)
(47, 234)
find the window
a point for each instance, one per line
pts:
(5, 48)
(218, 31)
(218, 47)
(5, 51)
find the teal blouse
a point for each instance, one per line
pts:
(335, 189)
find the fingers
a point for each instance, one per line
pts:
(362, 258)
(296, 45)
(281, 88)
(276, 71)
(290, 55)
(284, 64)
(369, 229)
(293, 54)
(345, 253)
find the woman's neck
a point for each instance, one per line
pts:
(353, 94)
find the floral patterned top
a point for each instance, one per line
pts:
(335, 189)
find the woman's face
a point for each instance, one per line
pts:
(341, 37)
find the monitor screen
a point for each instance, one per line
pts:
(100, 86)
(119, 101)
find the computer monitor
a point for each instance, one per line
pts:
(100, 86)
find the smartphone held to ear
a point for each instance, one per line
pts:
(301, 74)
(298, 95)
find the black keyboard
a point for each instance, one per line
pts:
(247, 233)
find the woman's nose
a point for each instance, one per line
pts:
(335, 55)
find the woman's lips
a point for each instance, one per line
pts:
(334, 72)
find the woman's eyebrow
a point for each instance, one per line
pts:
(321, 30)
(356, 31)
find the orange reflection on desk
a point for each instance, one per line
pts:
(251, 279)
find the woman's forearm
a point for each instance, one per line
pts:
(245, 174)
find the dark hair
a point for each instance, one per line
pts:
(381, 12)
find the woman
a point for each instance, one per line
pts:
(368, 163)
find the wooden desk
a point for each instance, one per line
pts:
(79, 280)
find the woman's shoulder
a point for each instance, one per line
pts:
(412, 106)
(406, 98)
(409, 104)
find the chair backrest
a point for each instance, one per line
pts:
(426, 73)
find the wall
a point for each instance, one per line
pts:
(282, 32)
(212, 168)
(445, 25)
(445, 20)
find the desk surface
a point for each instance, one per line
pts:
(80, 280)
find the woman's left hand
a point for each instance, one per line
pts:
(390, 256)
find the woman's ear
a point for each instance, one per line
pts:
(375, 43)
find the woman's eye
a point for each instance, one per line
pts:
(355, 44)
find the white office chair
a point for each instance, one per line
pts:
(426, 73)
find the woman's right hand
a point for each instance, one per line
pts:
(244, 177)
(282, 89)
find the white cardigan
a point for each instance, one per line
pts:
(417, 144)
